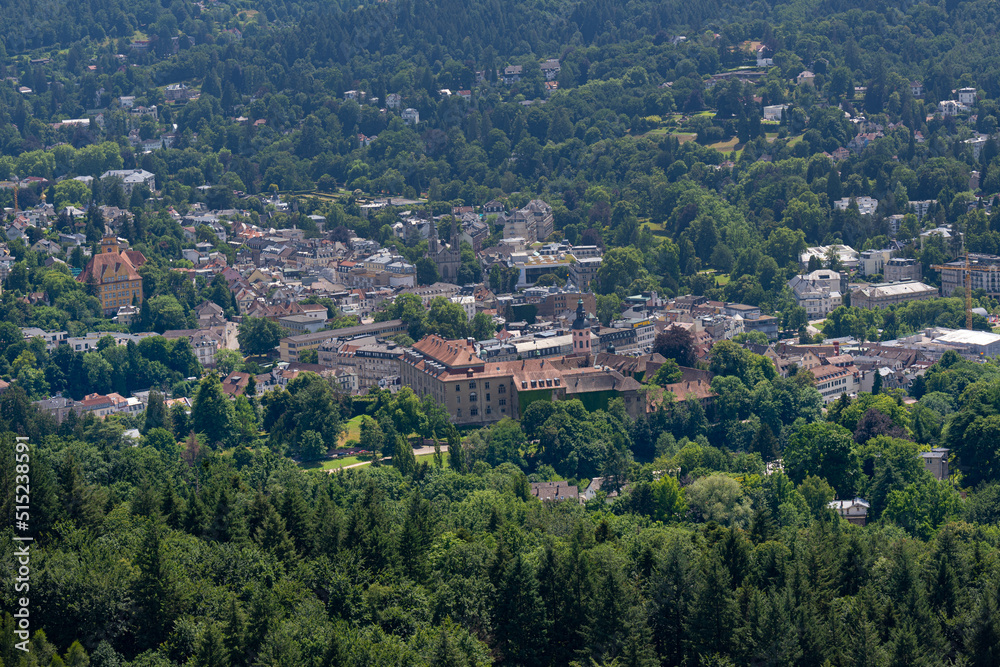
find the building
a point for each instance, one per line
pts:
(532, 265)
(510, 74)
(292, 346)
(554, 491)
(921, 207)
(984, 274)
(477, 392)
(819, 292)
(302, 323)
(951, 107)
(550, 68)
(533, 223)
(774, 112)
(554, 301)
(899, 269)
(806, 77)
(112, 276)
(866, 205)
(582, 337)
(410, 116)
(452, 373)
(855, 511)
(936, 462)
(583, 272)
(132, 178)
(967, 96)
(977, 142)
(972, 343)
(872, 262)
(447, 258)
(849, 257)
(883, 295)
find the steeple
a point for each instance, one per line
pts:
(581, 331)
(432, 239)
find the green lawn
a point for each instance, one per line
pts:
(331, 464)
(352, 430)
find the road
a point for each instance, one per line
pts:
(419, 451)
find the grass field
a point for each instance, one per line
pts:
(352, 431)
(727, 146)
(330, 464)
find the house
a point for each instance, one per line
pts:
(510, 74)
(774, 112)
(820, 292)
(967, 96)
(916, 88)
(872, 262)
(866, 205)
(764, 58)
(950, 107)
(235, 384)
(944, 232)
(554, 491)
(177, 92)
(550, 69)
(855, 511)
(806, 77)
(114, 274)
(936, 461)
(921, 207)
(848, 257)
(393, 100)
(977, 142)
(131, 178)
(410, 116)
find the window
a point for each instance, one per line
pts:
(489, 410)
(456, 387)
(487, 398)
(472, 397)
(473, 411)
(458, 413)
(472, 384)
(502, 389)
(487, 386)
(458, 400)
(503, 401)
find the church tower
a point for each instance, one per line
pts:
(581, 331)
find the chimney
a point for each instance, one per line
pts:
(836, 347)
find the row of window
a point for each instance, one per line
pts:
(486, 385)
(474, 412)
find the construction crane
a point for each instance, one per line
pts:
(967, 282)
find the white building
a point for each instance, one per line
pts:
(410, 116)
(848, 256)
(873, 261)
(866, 205)
(131, 178)
(921, 207)
(977, 142)
(967, 96)
(774, 111)
(819, 292)
(468, 304)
